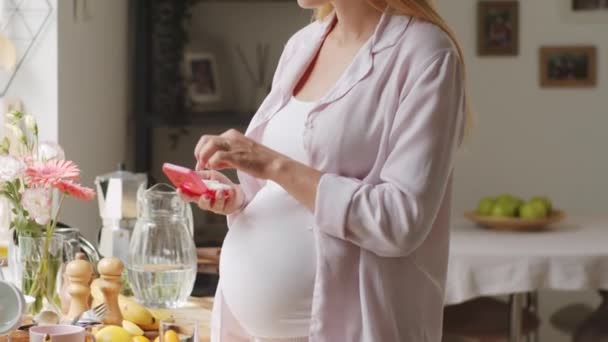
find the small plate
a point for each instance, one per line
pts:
(515, 223)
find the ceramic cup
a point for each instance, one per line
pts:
(59, 333)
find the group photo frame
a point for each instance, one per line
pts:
(498, 28)
(568, 66)
(583, 11)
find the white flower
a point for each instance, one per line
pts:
(30, 124)
(48, 150)
(14, 116)
(15, 133)
(37, 202)
(10, 168)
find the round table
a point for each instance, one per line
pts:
(570, 255)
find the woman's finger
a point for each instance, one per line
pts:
(204, 152)
(199, 145)
(207, 174)
(219, 202)
(186, 198)
(210, 147)
(204, 202)
(229, 196)
(222, 160)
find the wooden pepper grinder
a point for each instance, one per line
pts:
(110, 271)
(79, 274)
(64, 294)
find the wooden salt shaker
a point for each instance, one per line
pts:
(110, 271)
(64, 294)
(79, 274)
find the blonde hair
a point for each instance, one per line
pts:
(424, 10)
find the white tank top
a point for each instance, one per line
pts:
(268, 257)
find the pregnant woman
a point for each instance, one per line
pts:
(338, 230)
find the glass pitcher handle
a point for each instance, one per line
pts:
(68, 250)
(91, 251)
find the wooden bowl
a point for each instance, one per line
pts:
(515, 223)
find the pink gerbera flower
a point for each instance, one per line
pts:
(75, 190)
(52, 171)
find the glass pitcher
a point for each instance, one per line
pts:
(162, 262)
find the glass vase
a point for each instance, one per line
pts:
(40, 259)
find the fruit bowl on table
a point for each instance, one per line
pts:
(515, 223)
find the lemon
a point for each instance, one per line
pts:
(171, 336)
(157, 339)
(113, 333)
(140, 339)
(132, 328)
(160, 314)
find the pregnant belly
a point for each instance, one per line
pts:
(268, 266)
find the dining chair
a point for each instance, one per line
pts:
(595, 326)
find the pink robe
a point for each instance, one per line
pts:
(385, 137)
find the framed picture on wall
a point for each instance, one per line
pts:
(568, 66)
(589, 5)
(498, 28)
(202, 78)
(584, 11)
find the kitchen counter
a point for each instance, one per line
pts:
(197, 308)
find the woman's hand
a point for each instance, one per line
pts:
(232, 150)
(225, 202)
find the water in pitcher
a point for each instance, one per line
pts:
(165, 286)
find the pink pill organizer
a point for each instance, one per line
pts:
(191, 184)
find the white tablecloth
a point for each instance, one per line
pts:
(572, 255)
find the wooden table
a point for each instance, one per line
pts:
(198, 309)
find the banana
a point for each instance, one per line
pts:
(137, 313)
(130, 309)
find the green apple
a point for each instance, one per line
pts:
(484, 207)
(509, 200)
(504, 209)
(541, 207)
(533, 211)
(544, 200)
(505, 198)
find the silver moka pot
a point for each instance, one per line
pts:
(117, 194)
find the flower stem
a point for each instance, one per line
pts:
(41, 282)
(54, 223)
